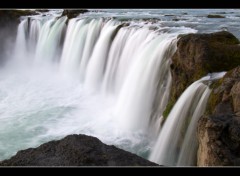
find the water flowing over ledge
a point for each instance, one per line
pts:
(111, 78)
(93, 76)
(177, 142)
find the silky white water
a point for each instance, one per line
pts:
(91, 76)
(177, 142)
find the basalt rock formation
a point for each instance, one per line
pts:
(76, 150)
(219, 129)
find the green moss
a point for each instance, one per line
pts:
(168, 109)
(214, 97)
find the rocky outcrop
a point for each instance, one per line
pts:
(76, 150)
(219, 128)
(200, 54)
(73, 13)
(215, 16)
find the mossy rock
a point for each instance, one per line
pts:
(200, 54)
(168, 109)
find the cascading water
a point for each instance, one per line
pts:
(95, 76)
(176, 144)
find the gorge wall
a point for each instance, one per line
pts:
(219, 129)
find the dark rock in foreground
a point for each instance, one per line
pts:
(219, 128)
(76, 150)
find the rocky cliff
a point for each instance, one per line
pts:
(219, 129)
(200, 54)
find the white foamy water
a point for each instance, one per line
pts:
(98, 76)
(177, 142)
(87, 76)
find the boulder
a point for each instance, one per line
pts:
(76, 150)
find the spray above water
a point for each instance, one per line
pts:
(92, 76)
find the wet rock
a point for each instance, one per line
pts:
(42, 10)
(169, 15)
(73, 13)
(215, 16)
(175, 19)
(200, 54)
(219, 128)
(76, 150)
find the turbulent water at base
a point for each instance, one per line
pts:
(94, 76)
(177, 142)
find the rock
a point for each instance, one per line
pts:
(15, 14)
(42, 10)
(169, 15)
(220, 13)
(219, 129)
(76, 150)
(215, 16)
(200, 54)
(178, 19)
(175, 19)
(73, 13)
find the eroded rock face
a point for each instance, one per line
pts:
(76, 150)
(73, 13)
(200, 54)
(219, 128)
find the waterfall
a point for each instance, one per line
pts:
(123, 69)
(176, 144)
(20, 49)
(97, 62)
(135, 102)
(49, 39)
(35, 28)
